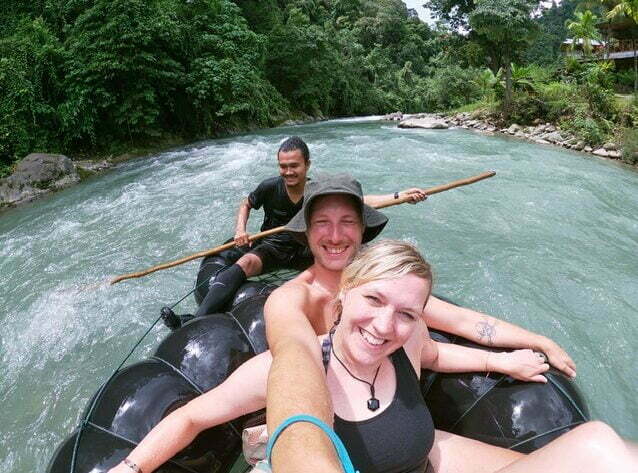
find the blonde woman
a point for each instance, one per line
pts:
(373, 357)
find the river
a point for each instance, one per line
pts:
(550, 243)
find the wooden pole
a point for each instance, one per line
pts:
(273, 231)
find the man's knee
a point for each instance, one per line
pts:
(251, 264)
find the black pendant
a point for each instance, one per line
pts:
(373, 403)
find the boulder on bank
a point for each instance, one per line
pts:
(513, 128)
(43, 170)
(429, 123)
(396, 116)
(601, 152)
(40, 173)
(37, 174)
(91, 167)
(553, 137)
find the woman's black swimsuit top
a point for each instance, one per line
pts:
(399, 439)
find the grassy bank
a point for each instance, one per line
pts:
(579, 98)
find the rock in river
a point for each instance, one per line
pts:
(430, 123)
(37, 174)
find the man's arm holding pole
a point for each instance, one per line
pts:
(241, 237)
(411, 195)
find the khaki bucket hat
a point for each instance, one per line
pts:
(373, 220)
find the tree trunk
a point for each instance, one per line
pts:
(507, 102)
(633, 45)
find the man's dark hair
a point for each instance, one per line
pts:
(295, 143)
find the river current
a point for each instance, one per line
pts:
(550, 243)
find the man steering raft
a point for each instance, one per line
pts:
(334, 221)
(282, 198)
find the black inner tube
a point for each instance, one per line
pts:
(201, 354)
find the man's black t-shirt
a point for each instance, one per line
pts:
(278, 208)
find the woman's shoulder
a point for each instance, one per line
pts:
(413, 348)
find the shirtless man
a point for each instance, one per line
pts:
(334, 221)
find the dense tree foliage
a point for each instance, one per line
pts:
(454, 12)
(31, 65)
(551, 33)
(506, 27)
(100, 75)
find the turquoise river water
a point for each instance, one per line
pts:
(550, 243)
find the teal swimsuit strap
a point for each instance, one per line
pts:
(344, 458)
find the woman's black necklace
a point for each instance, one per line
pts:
(373, 402)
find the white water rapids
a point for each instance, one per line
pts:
(550, 243)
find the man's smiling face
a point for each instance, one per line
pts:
(293, 167)
(334, 231)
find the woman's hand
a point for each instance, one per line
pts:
(558, 357)
(524, 365)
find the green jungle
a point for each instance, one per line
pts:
(103, 77)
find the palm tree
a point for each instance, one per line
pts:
(584, 29)
(628, 8)
(486, 80)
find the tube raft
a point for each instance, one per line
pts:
(200, 355)
(500, 410)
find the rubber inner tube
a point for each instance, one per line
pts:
(201, 354)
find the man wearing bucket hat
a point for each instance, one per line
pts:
(344, 222)
(334, 221)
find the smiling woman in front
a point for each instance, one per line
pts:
(373, 357)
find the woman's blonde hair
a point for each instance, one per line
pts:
(385, 259)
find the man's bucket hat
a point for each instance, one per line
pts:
(327, 184)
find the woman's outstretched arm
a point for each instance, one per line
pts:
(488, 330)
(297, 385)
(524, 365)
(425, 353)
(243, 392)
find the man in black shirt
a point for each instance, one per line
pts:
(281, 197)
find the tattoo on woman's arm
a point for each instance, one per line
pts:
(487, 330)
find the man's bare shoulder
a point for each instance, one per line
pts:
(295, 292)
(306, 295)
(299, 286)
(288, 312)
(298, 282)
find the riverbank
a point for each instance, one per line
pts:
(39, 174)
(543, 133)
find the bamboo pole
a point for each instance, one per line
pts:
(273, 231)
